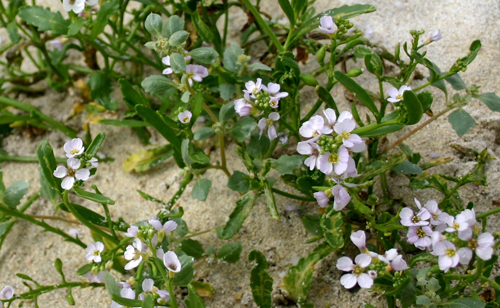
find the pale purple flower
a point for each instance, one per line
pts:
(274, 94)
(166, 60)
(409, 219)
(74, 5)
(269, 124)
(7, 292)
(322, 198)
(95, 277)
(94, 162)
(457, 224)
(74, 233)
(437, 237)
(242, 106)
(58, 44)
(283, 137)
(313, 127)
(399, 264)
(483, 246)
(133, 253)
(71, 174)
(149, 287)
(171, 262)
(358, 275)
(253, 87)
(167, 227)
(125, 293)
(341, 197)
(327, 25)
(436, 36)
(308, 148)
(394, 260)
(185, 117)
(395, 94)
(195, 72)
(367, 30)
(358, 238)
(74, 147)
(329, 162)
(344, 127)
(437, 216)
(420, 236)
(331, 118)
(132, 231)
(351, 170)
(373, 274)
(94, 252)
(447, 253)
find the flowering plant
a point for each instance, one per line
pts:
(181, 79)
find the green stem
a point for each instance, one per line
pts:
(47, 227)
(187, 178)
(283, 193)
(372, 126)
(27, 159)
(262, 23)
(28, 108)
(85, 222)
(22, 209)
(492, 283)
(170, 290)
(46, 289)
(488, 213)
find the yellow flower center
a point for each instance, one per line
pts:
(399, 96)
(450, 252)
(185, 119)
(74, 151)
(334, 158)
(96, 252)
(421, 233)
(269, 122)
(473, 244)
(345, 135)
(456, 226)
(415, 219)
(357, 270)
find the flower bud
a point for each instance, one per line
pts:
(321, 53)
(355, 72)
(309, 80)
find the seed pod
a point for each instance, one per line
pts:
(355, 72)
(309, 80)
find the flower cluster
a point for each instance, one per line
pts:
(194, 72)
(453, 239)
(329, 146)
(257, 97)
(368, 265)
(79, 164)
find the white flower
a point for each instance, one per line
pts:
(438, 217)
(274, 93)
(341, 197)
(420, 236)
(253, 87)
(125, 293)
(94, 252)
(74, 5)
(457, 224)
(7, 292)
(148, 286)
(134, 254)
(358, 238)
(344, 127)
(313, 128)
(447, 253)
(358, 275)
(94, 162)
(185, 117)
(166, 60)
(394, 260)
(322, 198)
(329, 162)
(195, 72)
(327, 25)
(95, 277)
(132, 231)
(269, 124)
(367, 30)
(242, 106)
(308, 148)
(331, 118)
(409, 219)
(167, 227)
(395, 94)
(171, 262)
(74, 233)
(436, 36)
(483, 246)
(74, 147)
(71, 174)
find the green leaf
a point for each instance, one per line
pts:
(380, 166)
(423, 300)
(231, 58)
(111, 285)
(407, 167)
(464, 302)
(44, 19)
(456, 82)
(147, 159)
(409, 295)
(227, 112)
(332, 229)
(107, 9)
(238, 181)
(193, 300)
(299, 278)
(192, 248)
(48, 164)
(345, 12)
(491, 100)
(124, 123)
(230, 252)
(287, 164)
(2, 185)
(156, 121)
(154, 25)
(75, 26)
(12, 30)
(259, 66)
(202, 29)
(243, 128)
(461, 121)
(241, 211)
(95, 144)
(101, 87)
(156, 84)
(173, 24)
(261, 282)
(374, 64)
(204, 289)
(184, 277)
(149, 197)
(204, 55)
(15, 192)
(177, 63)
(312, 224)
(258, 145)
(288, 10)
(227, 91)
(191, 156)
(425, 99)
(92, 196)
(413, 108)
(48, 192)
(325, 96)
(201, 189)
(357, 91)
(197, 105)
(148, 301)
(131, 94)
(204, 133)
(270, 202)
(178, 38)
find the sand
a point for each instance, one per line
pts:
(30, 251)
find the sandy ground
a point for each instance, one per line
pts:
(30, 251)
